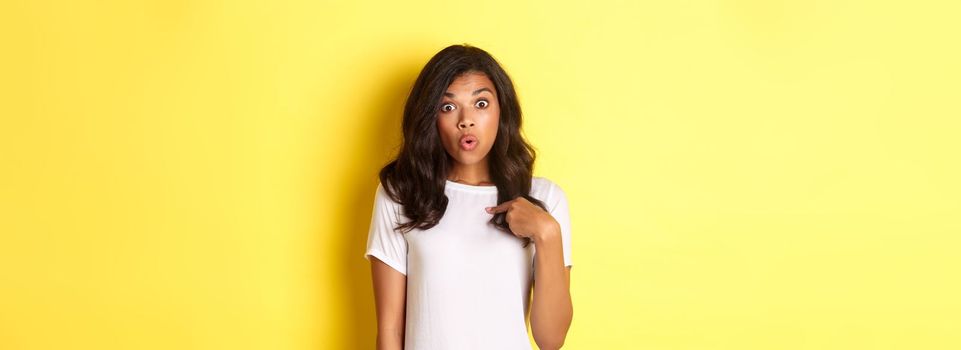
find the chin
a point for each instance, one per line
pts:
(469, 159)
(465, 161)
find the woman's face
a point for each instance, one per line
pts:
(468, 118)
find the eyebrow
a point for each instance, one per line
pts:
(449, 94)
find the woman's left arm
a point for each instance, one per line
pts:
(551, 308)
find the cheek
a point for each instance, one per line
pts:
(493, 121)
(447, 128)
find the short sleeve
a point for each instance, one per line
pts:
(383, 241)
(558, 208)
(561, 212)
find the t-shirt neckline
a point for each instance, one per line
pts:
(458, 185)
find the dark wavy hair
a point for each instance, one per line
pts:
(417, 177)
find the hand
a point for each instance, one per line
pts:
(527, 220)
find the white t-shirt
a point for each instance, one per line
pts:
(468, 283)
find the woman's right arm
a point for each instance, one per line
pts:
(390, 294)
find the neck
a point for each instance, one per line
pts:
(474, 174)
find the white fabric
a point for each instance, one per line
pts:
(468, 283)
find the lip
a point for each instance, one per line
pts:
(468, 146)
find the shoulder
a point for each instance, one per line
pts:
(383, 199)
(380, 194)
(540, 183)
(381, 191)
(547, 191)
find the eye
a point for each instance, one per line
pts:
(481, 104)
(447, 107)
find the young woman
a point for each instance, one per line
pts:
(454, 217)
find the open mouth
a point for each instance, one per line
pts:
(468, 142)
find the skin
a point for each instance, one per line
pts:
(470, 106)
(390, 299)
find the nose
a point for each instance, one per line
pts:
(465, 123)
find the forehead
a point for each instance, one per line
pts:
(469, 82)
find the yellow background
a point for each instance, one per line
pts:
(742, 174)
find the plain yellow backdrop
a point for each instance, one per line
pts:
(742, 174)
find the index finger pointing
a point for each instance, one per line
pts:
(499, 209)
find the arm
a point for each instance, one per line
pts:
(551, 308)
(390, 294)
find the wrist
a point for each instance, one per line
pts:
(549, 234)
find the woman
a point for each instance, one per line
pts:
(454, 217)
